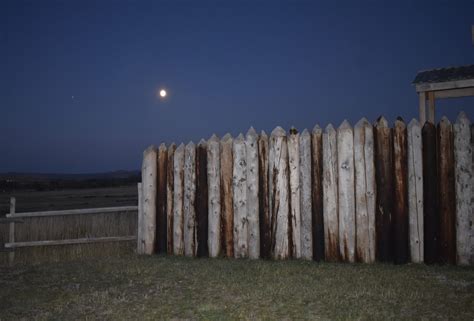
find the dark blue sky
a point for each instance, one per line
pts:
(227, 65)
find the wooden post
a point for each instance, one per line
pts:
(415, 192)
(190, 235)
(422, 99)
(240, 198)
(400, 204)
(446, 192)
(317, 192)
(169, 198)
(161, 214)
(214, 183)
(251, 147)
(149, 185)
(306, 196)
(11, 236)
(430, 204)
(330, 195)
(431, 107)
(364, 191)
(178, 220)
(463, 179)
(227, 205)
(140, 225)
(263, 196)
(345, 164)
(279, 191)
(202, 199)
(295, 211)
(384, 194)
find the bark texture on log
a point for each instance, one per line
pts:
(251, 149)
(330, 195)
(365, 191)
(263, 196)
(161, 218)
(306, 195)
(178, 197)
(415, 192)
(190, 235)
(169, 198)
(140, 224)
(446, 192)
(214, 183)
(201, 204)
(240, 198)
(227, 204)
(149, 182)
(295, 212)
(345, 161)
(317, 193)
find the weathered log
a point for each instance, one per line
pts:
(415, 192)
(201, 204)
(161, 228)
(251, 147)
(446, 193)
(364, 191)
(295, 195)
(169, 198)
(317, 193)
(463, 179)
(140, 224)
(430, 204)
(345, 161)
(330, 195)
(279, 192)
(178, 197)
(190, 235)
(306, 196)
(213, 172)
(149, 182)
(384, 193)
(400, 186)
(263, 197)
(227, 205)
(240, 198)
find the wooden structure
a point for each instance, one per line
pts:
(442, 83)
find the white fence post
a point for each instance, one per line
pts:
(190, 235)
(306, 196)
(178, 190)
(213, 172)
(149, 182)
(251, 146)
(240, 198)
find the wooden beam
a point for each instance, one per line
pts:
(75, 212)
(69, 242)
(454, 93)
(431, 107)
(444, 85)
(422, 98)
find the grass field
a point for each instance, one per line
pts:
(215, 289)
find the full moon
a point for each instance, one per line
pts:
(162, 93)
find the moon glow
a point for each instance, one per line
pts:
(163, 93)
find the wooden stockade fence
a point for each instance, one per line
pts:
(353, 194)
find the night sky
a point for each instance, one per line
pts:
(78, 79)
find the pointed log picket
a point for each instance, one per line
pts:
(279, 178)
(213, 172)
(295, 211)
(178, 196)
(305, 196)
(240, 198)
(169, 197)
(330, 195)
(190, 236)
(149, 183)
(463, 179)
(415, 192)
(384, 193)
(251, 149)
(317, 192)
(263, 196)
(227, 205)
(446, 193)
(161, 218)
(201, 205)
(365, 191)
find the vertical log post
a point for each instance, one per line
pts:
(178, 196)
(295, 211)
(190, 235)
(415, 192)
(400, 204)
(161, 214)
(169, 198)
(214, 183)
(317, 192)
(140, 225)
(251, 146)
(11, 236)
(263, 197)
(149, 184)
(463, 179)
(201, 205)
(279, 191)
(446, 193)
(227, 204)
(240, 198)
(306, 196)
(364, 191)
(430, 204)
(330, 195)
(384, 195)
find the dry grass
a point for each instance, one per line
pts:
(214, 289)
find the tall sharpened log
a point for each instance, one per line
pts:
(400, 204)
(190, 235)
(317, 192)
(263, 197)
(251, 151)
(430, 204)
(161, 214)
(446, 193)
(384, 195)
(201, 204)
(149, 182)
(227, 205)
(306, 196)
(178, 197)
(214, 183)
(295, 211)
(169, 198)
(240, 198)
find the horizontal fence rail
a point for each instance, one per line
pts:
(74, 241)
(74, 212)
